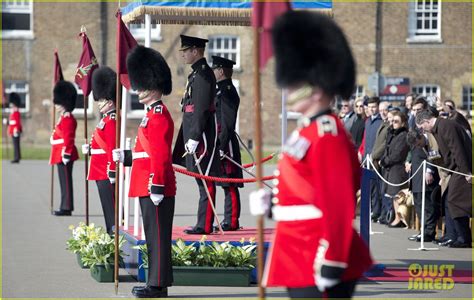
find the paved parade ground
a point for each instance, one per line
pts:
(36, 263)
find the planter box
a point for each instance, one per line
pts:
(101, 274)
(210, 276)
(79, 261)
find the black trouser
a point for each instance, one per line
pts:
(16, 148)
(450, 230)
(107, 200)
(431, 217)
(341, 290)
(158, 225)
(375, 198)
(462, 229)
(205, 217)
(232, 206)
(65, 181)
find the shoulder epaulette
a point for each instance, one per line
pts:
(326, 125)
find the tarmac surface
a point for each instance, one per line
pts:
(36, 264)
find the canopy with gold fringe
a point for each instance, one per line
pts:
(205, 12)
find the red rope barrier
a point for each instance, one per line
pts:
(219, 179)
(271, 156)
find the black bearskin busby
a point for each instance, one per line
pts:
(311, 48)
(14, 99)
(104, 82)
(148, 70)
(65, 94)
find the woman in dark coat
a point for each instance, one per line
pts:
(393, 160)
(357, 129)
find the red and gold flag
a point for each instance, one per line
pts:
(125, 43)
(86, 66)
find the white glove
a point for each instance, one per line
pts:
(118, 155)
(85, 149)
(65, 160)
(259, 202)
(324, 283)
(191, 146)
(156, 198)
(16, 133)
(221, 154)
(5, 121)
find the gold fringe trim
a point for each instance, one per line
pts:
(197, 16)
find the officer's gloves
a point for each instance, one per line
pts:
(221, 154)
(191, 146)
(118, 155)
(324, 283)
(156, 198)
(156, 191)
(16, 133)
(66, 158)
(85, 149)
(259, 202)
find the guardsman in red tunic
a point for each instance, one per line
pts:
(63, 150)
(227, 108)
(315, 252)
(152, 177)
(101, 165)
(14, 126)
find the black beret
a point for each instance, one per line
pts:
(15, 99)
(310, 48)
(65, 94)
(104, 83)
(221, 62)
(190, 41)
(148, 70)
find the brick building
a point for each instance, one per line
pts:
(428, 42)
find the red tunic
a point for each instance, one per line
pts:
(101, 146)
(152, 154)
(62, 139)
(317, 179)
(14, 122)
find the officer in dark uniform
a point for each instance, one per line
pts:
(101, 165)
(152, 178)
(198, 133)
(227, 106)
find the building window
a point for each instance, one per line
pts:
(424, 22)
(135, 110)
(359, 91)
(22, 89)
(426, 90)
(17, 19)
(467, 98)
(138, 31)
(79, 110)
(227, 46)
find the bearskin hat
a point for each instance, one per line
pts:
(148, 70)
(311, 48)
(104, 82)
(15, 99)
(65, 94)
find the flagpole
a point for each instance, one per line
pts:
(53, 124)
(258, 155)
(118, 120)
(86, 162)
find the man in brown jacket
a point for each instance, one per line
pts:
(455, 147)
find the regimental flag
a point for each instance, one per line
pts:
(125, 43)
(58, 72)
(87, 64)
(264, 14)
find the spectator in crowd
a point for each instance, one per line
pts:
(393, 159)
(407, 106)
(372, 124)
(378, 151)
(450, 109)
(358, 126)
(347, 114)
(419, 104)
(455, 147)
(420, 152)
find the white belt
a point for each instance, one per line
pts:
(296, 212)
(12, 123)
(56, 142)
(97, 151)
(137, 155)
